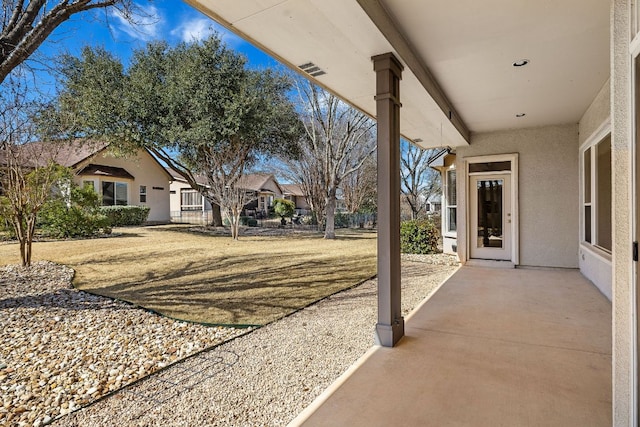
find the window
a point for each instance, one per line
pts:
(190, 200)
(596, 194)
(451, 201)
(143, 194)
(114, 193)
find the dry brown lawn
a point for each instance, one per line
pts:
(212, 279)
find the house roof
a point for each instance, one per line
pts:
(102, 170)
(252, 181)
(258, 182)
(293, 189)
(458, 56)
(68, 154)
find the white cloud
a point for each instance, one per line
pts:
(145, 23)
(199, 28)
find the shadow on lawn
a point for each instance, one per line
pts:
(271, 287)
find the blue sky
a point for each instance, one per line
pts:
(170, 20)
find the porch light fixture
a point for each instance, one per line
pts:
(521, 63)
(521, 114)
(312, 69)
(417, 140)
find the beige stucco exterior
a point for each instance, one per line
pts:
(625, 376)
(595, 264)
(146, 172)
(548, 191)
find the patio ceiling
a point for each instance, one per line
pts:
(458, 56)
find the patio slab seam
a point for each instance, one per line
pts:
(515, 342)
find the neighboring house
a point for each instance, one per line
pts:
(265, 189)
(120, 181)
(541, 106)
(187, 204)
(294, 193)
(434, 204)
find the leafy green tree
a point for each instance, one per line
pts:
(196, 106)
(284, 209)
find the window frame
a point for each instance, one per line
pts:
(116, 193)
(191, 207)
(448, 205)
(143, 194)
(589, 198)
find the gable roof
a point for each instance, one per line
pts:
(293, 189)
(258, 181)
(252, 181)
(101, 170)
(68, 154)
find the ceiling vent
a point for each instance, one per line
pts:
(312, 69)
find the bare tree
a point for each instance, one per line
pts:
(224, 171)
(27, 24)
(360, 188)
(418, 181)
(28, 173)
(338, 141)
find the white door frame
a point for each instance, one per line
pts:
(515, 217)
(502, 253)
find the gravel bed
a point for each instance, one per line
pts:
(267, 377)
(61, 348)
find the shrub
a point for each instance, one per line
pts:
(76, 216)
(252, 222)
(342, 220)
(120, 216)
(418, 237)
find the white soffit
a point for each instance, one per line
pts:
(468, 46)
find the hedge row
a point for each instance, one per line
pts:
(120, 216)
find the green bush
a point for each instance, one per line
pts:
(418, 237)
(342, 220)
(284, 208)
(76, 216)
(6, 227)
(252, 222)
(120, 216)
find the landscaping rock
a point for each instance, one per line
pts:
(62, 348)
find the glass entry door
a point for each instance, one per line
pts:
(490, 216)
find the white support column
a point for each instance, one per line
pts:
(390, 326)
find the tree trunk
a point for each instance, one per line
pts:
(330, 227)
(216, 215)
(235, 223)
(31, 229)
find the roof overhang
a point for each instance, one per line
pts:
(458, 56)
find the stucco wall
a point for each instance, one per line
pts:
(271, 185)
(596, 114)
(623, 305)
(548, 190)
(148, 172)
(594, 264)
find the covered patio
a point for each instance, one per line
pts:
(537, 101)
(491, 347)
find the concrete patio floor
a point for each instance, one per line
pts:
(492, 347)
